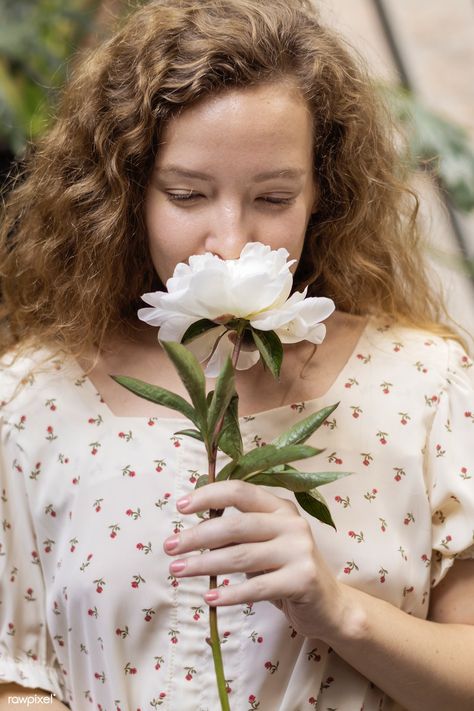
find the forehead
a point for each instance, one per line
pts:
(258, 122)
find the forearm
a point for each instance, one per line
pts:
(423, 665)
(14, 690)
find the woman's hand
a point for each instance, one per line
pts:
(271, 543)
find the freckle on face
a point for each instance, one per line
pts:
(231, 139)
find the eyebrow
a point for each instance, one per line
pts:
(289, 173)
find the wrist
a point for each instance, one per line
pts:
(351, 621)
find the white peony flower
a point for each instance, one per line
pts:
(254, 288)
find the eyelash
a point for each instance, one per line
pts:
(188, 197)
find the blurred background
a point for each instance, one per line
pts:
(421, 53)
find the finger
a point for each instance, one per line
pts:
(241, 495)
(246, 558)
(268, 586)
(224, 531)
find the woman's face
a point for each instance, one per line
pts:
(233, 169)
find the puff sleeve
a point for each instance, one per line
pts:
(26, 653)
(449, 460)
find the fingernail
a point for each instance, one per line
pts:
(177, 566)
(211, 595)
(183, 503)
(171, 543)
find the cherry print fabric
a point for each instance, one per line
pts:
(88, 608)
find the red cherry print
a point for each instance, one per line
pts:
(188, 677)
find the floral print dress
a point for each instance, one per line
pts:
(88, 609)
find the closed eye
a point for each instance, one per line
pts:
(273, 200)
(184, 196)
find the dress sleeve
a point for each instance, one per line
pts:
(450, 466)
(26, 653)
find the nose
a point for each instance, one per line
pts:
(230, 230)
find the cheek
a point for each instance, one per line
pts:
(172, 237)
(290, 231)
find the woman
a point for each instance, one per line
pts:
(203, 127)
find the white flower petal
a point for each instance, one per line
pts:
(202, 345)
(298, 320)
(174, 328)
(247, 359)
(224, 348)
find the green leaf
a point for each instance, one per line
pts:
(195, 434)
(295, 480)
(154, 393)
(223, 393)
(270, 349)
(440, 144)
(314, 504)
(230, 440)
(261, 458)
(197, 328)
(190, 371)
(303, 429)
(203, 480)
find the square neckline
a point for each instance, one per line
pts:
(80, 374)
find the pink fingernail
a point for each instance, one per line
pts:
(177, 566)
(211, 595)
(183, 503)
(171, 543)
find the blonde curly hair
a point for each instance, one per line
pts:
(74, 256)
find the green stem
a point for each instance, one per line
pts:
(213, 513)
(215, 641)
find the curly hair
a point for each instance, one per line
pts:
(74, 257)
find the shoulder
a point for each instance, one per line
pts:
(26, 376)
(418, 350)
